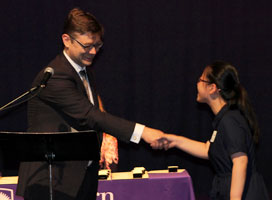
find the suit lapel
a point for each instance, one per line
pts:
(93, 86)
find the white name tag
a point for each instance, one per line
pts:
(213, 136)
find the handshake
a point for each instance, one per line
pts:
(159, 140)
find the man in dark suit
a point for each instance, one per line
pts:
(69, 103)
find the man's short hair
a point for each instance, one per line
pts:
(82, 22)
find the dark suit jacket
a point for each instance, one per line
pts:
(61, 105)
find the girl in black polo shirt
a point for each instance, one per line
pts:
(231, 147)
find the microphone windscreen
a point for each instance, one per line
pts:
(49, 70)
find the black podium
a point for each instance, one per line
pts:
(50, 147)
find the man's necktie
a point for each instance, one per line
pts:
(86, 85)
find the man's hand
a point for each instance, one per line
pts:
(151, 135)
(166, 142)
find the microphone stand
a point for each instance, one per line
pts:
(39, 88)
(49, 155)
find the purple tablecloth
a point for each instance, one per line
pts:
(161, 186)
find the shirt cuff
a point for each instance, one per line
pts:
(137, 133)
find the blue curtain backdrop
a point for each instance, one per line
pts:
(154, 52)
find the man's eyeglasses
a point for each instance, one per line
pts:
(97, 46)
(205, 81)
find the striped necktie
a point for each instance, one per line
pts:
(86, 84)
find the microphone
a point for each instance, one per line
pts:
(48, 72)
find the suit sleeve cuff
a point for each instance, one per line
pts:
(137, 133)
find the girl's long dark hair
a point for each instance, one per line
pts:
(225, 76)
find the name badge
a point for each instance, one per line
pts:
(213, 136)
